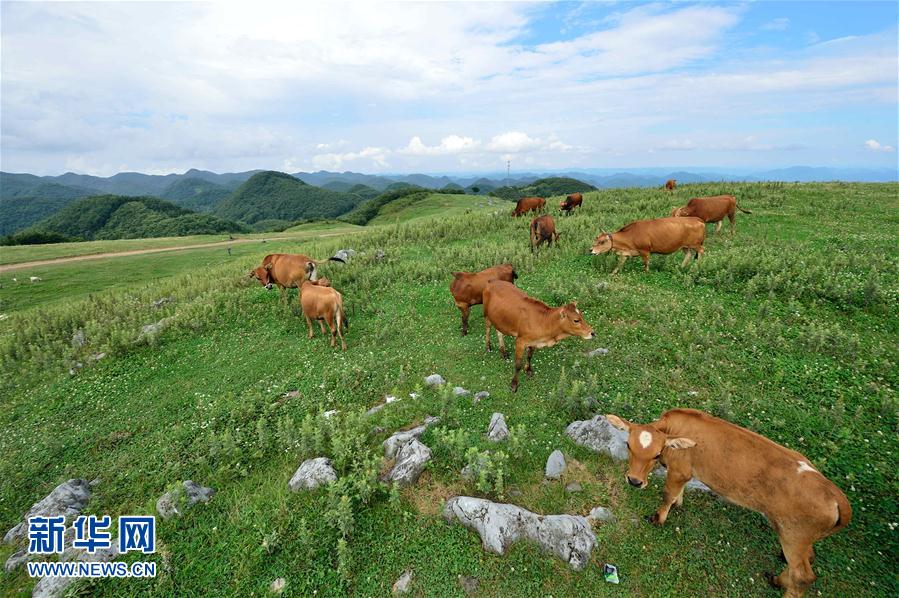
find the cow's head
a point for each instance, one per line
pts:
(602, 244)
(679, 212)
(311, 271)
(263, 274)
(645, 445)
(573, 322)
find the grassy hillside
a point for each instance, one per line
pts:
(118, 217)
(441, 205)
(790, 329)
(196, 194)
(278, 196)
(543, 188)
(21, 205)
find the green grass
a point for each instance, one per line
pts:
(437, 204)
(790, 329)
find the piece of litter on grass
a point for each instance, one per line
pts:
(610, 573)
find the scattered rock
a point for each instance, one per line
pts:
(435, 380)
(53, 587)
(344, 254)
(569, 537)
(598, 352)
(692, 393)
(460, 392)
(75, 368)
(151, 330)
(97, 357)
(78, 339)
(160, 302)
(390, 399)
(692, 483)
(514, 492)
(483, 394)
(68, 499)
(555, 465)
(387, 400)
(471, 472)
(329, 414)
(174, 503)
(601, 514)
(16, 559)
(573, 488)
(404, 583)
(398, 439)
(497, 430)
(312, 473)
(411, 460)
(291, 394)
(277, 586)
(470, 585)
(379, 255)
(599, 435)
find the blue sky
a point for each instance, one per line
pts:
(446, 87)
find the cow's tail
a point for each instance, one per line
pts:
(333, 258)
(741, 209)
(844, 512)
(340, 315)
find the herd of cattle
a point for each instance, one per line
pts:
(747, 469)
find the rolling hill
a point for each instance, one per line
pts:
(23, 205)
(544, 188)
(196, 194)
(273, 195)
(121, 217)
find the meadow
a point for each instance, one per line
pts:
(790, 328)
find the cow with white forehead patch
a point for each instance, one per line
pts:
(748, 470)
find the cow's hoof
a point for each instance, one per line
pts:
(653, 519)
(772, 579)
(529, 373)
(514, 386)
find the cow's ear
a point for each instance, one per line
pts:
(562, 314)
(268, 266)
(680, 443)
(618, 422)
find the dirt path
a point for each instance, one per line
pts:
(98, 256)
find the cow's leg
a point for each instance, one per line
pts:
(465, 309)
(718, 226)
(621, 260)
(283, 291)
(698, 250)
(798, 574)
(529, 370)
(519, 361)
(687, 256)
(731, 217)
(321, 325)
(645, 256)
(309, 325)
(674, 494)
(501, 340)
(333, 328)
(487, 327)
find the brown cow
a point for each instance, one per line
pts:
(661, 235)
(572, 201)
(670, 184)
(528, 204)
(747, 469)
(712, 209)
(533, 323)
(543, 230)
(322, 303)
(468, 287)
(287, 270)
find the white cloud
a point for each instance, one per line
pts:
(452, 144)
(779, 24)
(875, 146)
(366, 157)
(513, 142)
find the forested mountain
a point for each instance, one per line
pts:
(23, 205)
(544, 188)
(196, 194)
(122, 217)
(274, 195)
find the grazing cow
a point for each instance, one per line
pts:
(712, 209)
(572, 201)
(748, 470)
(661, 235)
(670, 184)
(543, 230)
(468, 287)
(528, 204)
(287, 270)
(322, 303)
(533, 323)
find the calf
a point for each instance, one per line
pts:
(528, 204)
(321, 302)
(533, 323)
(747, 469)
(287, 270)
(670, 184)
(712, 209)
(572, 201)
(543, 230)
(661, 235)
(468, 287)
